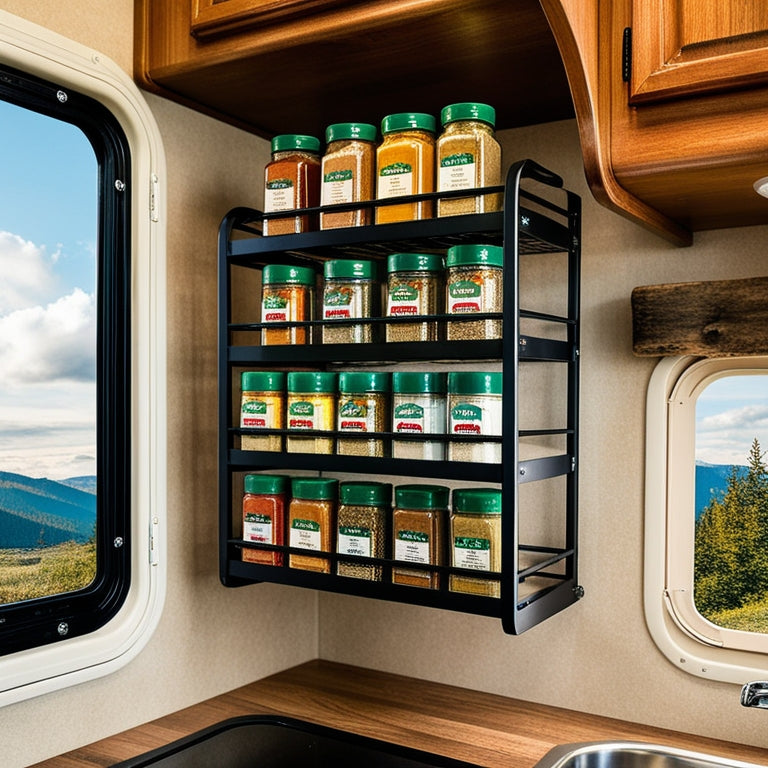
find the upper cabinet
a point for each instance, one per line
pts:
(672, 124)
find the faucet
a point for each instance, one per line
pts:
(755, 694)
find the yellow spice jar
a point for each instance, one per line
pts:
(311, 406)
(405, 165)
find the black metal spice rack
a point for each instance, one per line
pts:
(530, 223)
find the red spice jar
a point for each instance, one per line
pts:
(291, 181)
(264, 505)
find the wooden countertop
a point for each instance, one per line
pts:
(477, 727)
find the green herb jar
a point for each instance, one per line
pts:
(418, 407)
(363, 407)
(476, 540)
(350, 291)
(474, 408)
(311, 405)
(362, 525)
(414, 288)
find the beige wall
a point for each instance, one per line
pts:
(596, 656)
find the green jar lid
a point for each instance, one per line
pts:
(358, 131)
(366, 494)
(468, 255)
(281, 273)
(468, 111)
(266, 484)
(262, 381)
(347, 268)
(422, 496)
(474, 383)
(419, 382)
(311, 381)
(364, 381)
(477, 501)
(414, 262)
(295, 141)
(314, 488)
(405, 121)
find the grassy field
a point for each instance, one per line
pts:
(750, 618)
(27, 574)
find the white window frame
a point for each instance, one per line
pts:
(40, 52)
(686, 638)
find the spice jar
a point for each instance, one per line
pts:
(262, 406)
(418, 407)
(287, 295)
(311, 402)
(311, 521)
(474, 408)
(362, 524)
(468, 156)
(476, 539)
(348, 173)
(349, 291)
(417, 521)
(264, 516)
(474, 278)
(405, 165)
(414, 282)
(291, 181)
(363, 406)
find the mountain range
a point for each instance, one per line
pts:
(711, 482)
(38, 512)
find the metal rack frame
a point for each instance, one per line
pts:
(529, 224)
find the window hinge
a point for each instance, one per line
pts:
(626, 55)
(153, 197)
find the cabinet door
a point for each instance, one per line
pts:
(213, 17)
(684, 47)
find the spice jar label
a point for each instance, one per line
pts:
(403, 300)
(257, 414)
(257, 527)
(337, 303)
(301, 415)
(457, 172)
(279, 195)
(355, 416)
(275, 308)
(465, 296)
(395, 180)
(412, 546)
(466, 419)
(354, 540)
(471, 552)
(338, 187)
(409, 417)
(305, 534)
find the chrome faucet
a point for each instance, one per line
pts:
(755, 694)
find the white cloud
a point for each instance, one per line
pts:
(26, 273)
(45, 344)
(746, 417)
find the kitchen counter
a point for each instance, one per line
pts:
(478, 727)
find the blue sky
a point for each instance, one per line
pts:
(48, 229)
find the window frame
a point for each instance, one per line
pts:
(109, 622)
(686, 638)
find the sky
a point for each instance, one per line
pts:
(48, 230)
(730, 413)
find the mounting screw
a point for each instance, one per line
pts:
(63, 628)
(62, 96)
(522, 470)
(118, 542)
(119, 185)
(578, 590)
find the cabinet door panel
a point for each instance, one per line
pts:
(686, 47)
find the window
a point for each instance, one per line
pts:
(706, 580)
(82, 388)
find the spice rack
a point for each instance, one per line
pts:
(539, 227)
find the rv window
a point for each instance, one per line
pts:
(707, 515)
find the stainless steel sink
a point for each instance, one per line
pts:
(620, 754)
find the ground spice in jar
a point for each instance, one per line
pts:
(418, 407)
(287, 295)
(476, 539)
(414, 287)
(363, 407)
(474, 279)
(417, 522)
(349, 291)
(348, 173)
(291, 181)
(311, 405)
(362, 524)
(264, 516)
(474, 408)
(262, 406)
(468, 156)
(311, 521)
(405, 165)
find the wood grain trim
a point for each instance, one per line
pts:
(717, 318)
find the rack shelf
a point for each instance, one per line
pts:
(539, 217)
